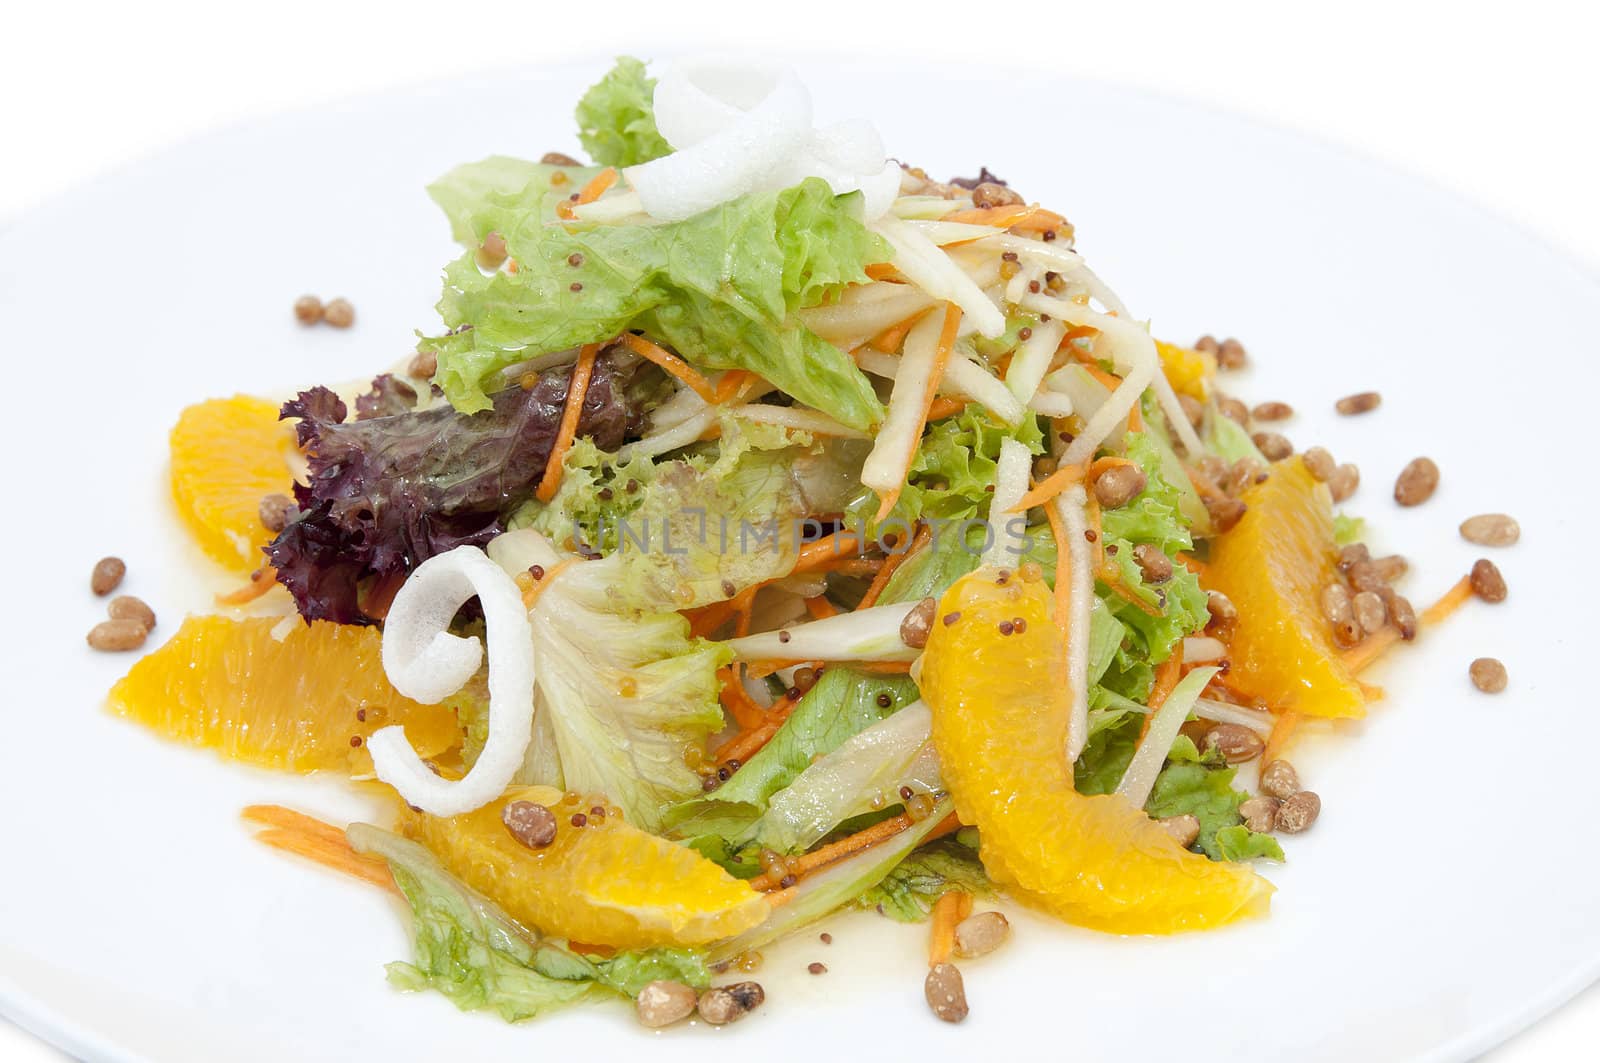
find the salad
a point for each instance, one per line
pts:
(768, 530)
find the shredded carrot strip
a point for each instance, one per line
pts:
(1283, 729)
(1193, 564)
(951, 907)
(1014, 216)
(1168, 672)
(1114, 584)
(882, 271)
(820, 608)
(1110, 380)
(598, 185)
(740, 705)
(339, 857)
(746, 744)
(1369, 649)
(743, 606)
(732, 382)
(1449, 602)
(945, 407)
(879, 667)
(892, 562)
(817, 554)
(1048, 488)
(948, 825)
(834, 852)
(290, 820)
(706, 619)
(941, 357)
(672, 364)
(262, 580)
(577, 388)
(1103, 465)
(1376, 644)
(1040, 221)
(761, 669)
(890, 339)
(1135, 419)
(857, 566)
(310, 837)
(532, 588)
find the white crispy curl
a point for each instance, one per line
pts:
(737, 128)
(426, 663)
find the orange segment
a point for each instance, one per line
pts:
(293, 703)
(1273, 565)
(1189, 371)
(1000, 727)
(604, 883)
(226, 455)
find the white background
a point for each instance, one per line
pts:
(1494, 102)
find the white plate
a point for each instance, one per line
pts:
(1444, 901)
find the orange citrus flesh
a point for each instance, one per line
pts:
(1000, 728)
(602, 883)
(226, 455)
(295, 703)
(1273, 565)
(1189, 371)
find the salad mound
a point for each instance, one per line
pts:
(767, 530)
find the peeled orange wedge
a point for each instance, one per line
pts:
(297, 703)
(1189, 371)
(226, 455)
(604, 883)
(1000, 727)
(1273, 565)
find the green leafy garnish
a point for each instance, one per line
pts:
(907, 894)
(721, 287)
(617, 118)
(470, 951)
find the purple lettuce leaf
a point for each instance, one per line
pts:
(386, 493)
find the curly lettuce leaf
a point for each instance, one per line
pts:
(1239, 843)
(953, 470)
(721, 287)
(471, 952)
(619, 693)
(617, 118)
(907, 894)
(1191, 783)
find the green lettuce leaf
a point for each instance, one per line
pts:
(907, 894)
(721, 287)
(617, 119)
(842, 704)
(1239, 843)
(686, 529)
(953, 470)
(1348, 530)
(468, 950)
(1191, 783)
(620, 692)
